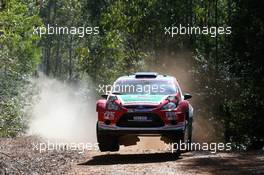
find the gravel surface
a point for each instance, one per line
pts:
(18, 156)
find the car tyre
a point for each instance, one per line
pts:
(184, 137)
(107, 142)
(188, 135)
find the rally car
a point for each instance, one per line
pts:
(147, 104)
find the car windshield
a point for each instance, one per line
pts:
(144, 87)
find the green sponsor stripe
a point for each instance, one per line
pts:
(141, 98)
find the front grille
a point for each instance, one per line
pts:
(127, 120)
(140, 106)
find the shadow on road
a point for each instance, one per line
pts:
(188, 163)
(243, 163)
(112, 159)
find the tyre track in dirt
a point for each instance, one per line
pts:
(150, 157)
(147, 158)
(160, 163)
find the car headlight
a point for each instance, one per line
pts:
(112, 106)
(169, 106)
(112, 98)
(172, 98)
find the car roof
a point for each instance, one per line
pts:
(146, 76)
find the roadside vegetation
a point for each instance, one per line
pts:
(227, 69)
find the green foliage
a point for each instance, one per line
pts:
(19, 56)
(228, 69)
(14, 101)
(18, 43)
(235, 66)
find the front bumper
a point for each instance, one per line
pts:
(116, 130)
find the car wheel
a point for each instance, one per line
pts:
(187, 138)
(183, 138)
(188, 134)
(176, 146)
(107, 142)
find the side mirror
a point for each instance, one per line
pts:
(187, 96)
(104, 96)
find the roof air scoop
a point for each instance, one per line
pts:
(146, 75)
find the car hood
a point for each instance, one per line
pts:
(142, 99)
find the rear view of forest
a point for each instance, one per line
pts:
(227, 70)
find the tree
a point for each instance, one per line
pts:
(19, 56)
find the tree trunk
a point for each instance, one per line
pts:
(216, 38)
(58, 59)
(70, 58)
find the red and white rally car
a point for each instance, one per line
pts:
(144, 103)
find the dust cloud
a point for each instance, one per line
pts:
(63, 112)
(66, 111)
(181, 65)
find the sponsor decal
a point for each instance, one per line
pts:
(110, 115)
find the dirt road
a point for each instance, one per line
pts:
(18, 157)
(165, 164)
